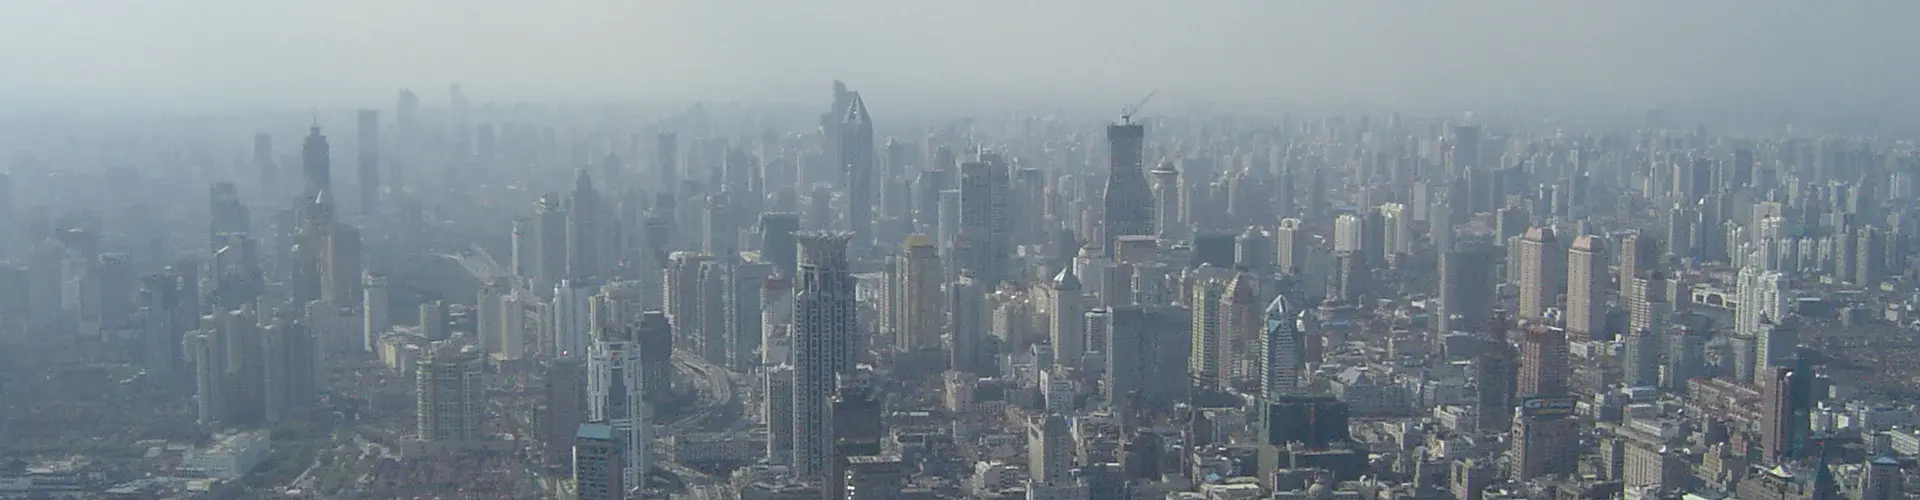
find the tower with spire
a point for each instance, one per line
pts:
(856, 157)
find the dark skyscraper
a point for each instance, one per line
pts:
(316, 167)
(1466, 287)
(1786, 399)
(856, 157)
(777, 241)
(1126, 200)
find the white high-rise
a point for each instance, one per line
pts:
(616, 395)
(1763, 295)
(373, 312)
(824, 323)
(572, 318)
(1282, 350)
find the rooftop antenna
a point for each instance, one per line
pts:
(1126, 113)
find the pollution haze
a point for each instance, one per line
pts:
(1824, 57)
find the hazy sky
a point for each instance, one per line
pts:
(1854, 54)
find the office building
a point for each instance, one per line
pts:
(1125, 206)
(1786, 407)
(1065, 322)
(1544, 367)
(616, 397)
(1539, 277)
(919, 312)
(1545, 439)
(983, 245)
(1466, 288)
(1282, 350)
(824, 325)
(599, 463)
(450, 391)
(1586, 289)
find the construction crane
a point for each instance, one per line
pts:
(1126, 113)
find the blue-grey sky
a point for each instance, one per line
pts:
(1852, 54)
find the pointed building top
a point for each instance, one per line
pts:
(1279, 309)
(582, 181)
(856, 111)
(1066, 280)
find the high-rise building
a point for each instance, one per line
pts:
(583, 229)
(779, 413)
(874, 477)
(1686, 359)
(572, 318)
(599, 462)
(563, 407)
(369, 173)
(1586, 288)
(290, 370)
(856, 160)
(682, 300)
(855, 424)
(983, 245)
(373, 311)
(434, 322)
(1640, 363)
(615, 396)
(343, 264)
(1282, 350)
(1292, 246)
(1544, 367)
(1495, 370)
(1066, 321)
(1545, 439)
(1882, 479)
(1124, 201)
(1241, 324)
(1050, 450)
(451, 404)
(967, 321)
(1210, 361)
(1466, 287)
(919, 305)
(550, 237)
(1764, 297)
(823, 344)
(1166, 207)
(777, 243)
(1539, 276)
(1786, 409)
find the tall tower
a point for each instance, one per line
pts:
(1466, 287)
(1066, 323)
(1166, 202)
(967, 321)
(1241, 325)
(1050, 450)
(983, 245)
(315, 165)
(451, 393)
(1282, 351)
(1124, 201)
(583, 229)
(1543, 364)
(615, 396)
(572, 315)
(1538, 281)
(824, 323)
(1208, 362)
(1786, 399)
(920, 278)
(1292, 246)
(856, 157)
(550, 236)
(369, 172)
(1586, 288)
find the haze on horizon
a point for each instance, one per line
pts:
(1836, 57)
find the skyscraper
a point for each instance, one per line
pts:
(615, 396)
(572, 317)
(1209, 362)
(583, 229)
(1282, 350)
(824, 324)
(1466, 287)
(967, 325)
(984, 244)
(1543, 364)
(1166, 205)
(1786, 409)
(856, 158)
(563, 404)
(451, 393)
(1066, 321)
(1241, 313)
(599, 462)
(920, 279)
(1586, 288)
(1539, 280)
(855, 424)
(1126, 210)
(777, 243)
